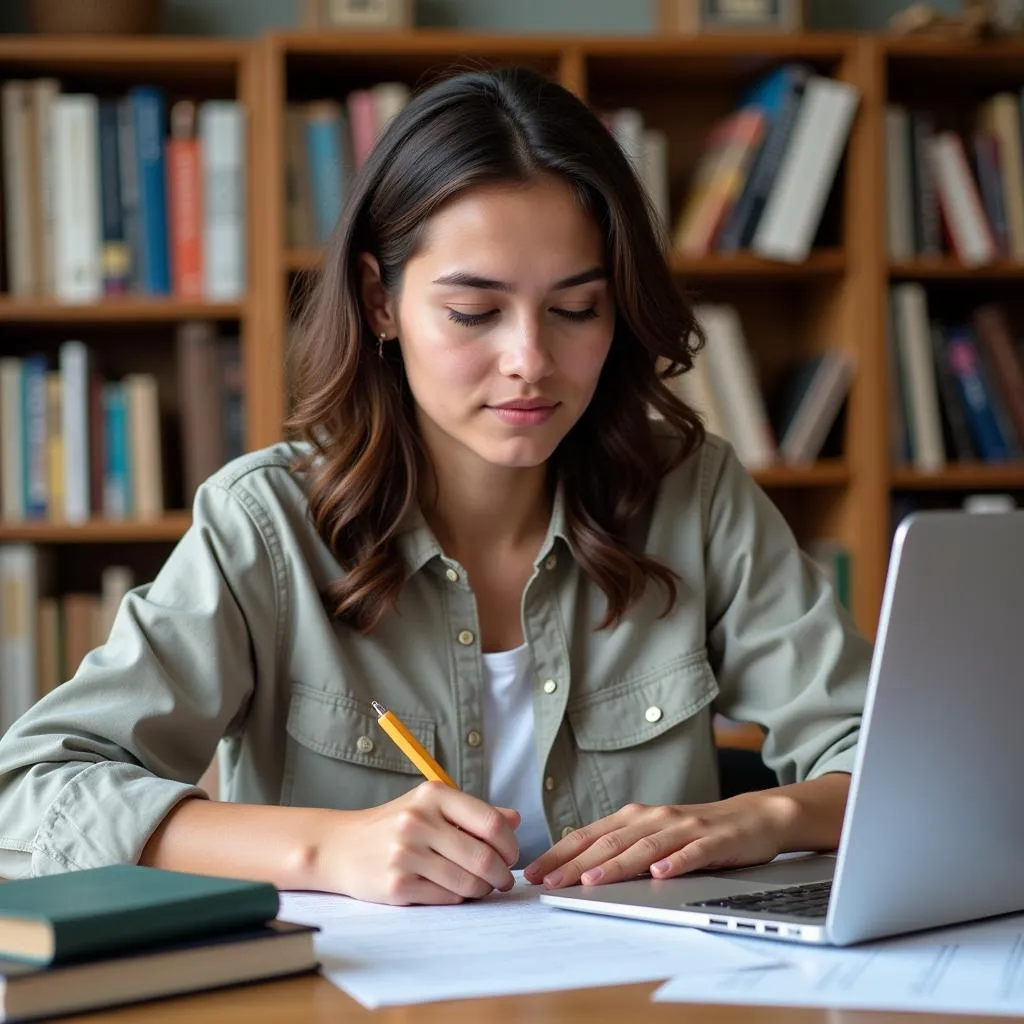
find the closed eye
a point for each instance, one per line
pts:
(476, 319)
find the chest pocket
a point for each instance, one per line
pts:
(339, 757)
(649, 739)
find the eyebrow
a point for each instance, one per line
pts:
(464, 279)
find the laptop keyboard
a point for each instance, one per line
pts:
(809, 900)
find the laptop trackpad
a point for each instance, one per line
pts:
(785, 871)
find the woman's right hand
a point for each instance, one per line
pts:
(433, 845)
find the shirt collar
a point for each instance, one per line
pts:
(418, 545)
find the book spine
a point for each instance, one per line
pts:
(114, 262)
(33, 381)
(148, 114)
(74, 368)
(324, 127)
(222, 137)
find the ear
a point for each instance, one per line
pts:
(377, 304)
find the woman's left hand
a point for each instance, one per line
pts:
(670, 840)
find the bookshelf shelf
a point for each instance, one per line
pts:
(951, 270)
(168, 527)
(742, 266)
(116, 310)
(964, 477)
(826, 473)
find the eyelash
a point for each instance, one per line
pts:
(575, 316)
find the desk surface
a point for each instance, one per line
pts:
(311, 999)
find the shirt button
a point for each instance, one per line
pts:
(653, 714)
(549, 783)
(567, 831)
(550, 686)
(473, 738)
(453, 576)
(550, 562)
(465, 637)
(364, 745)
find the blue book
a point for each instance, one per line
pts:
(963, 360)
(35, 441)
(778, 95)
(117, 481)
(325, 129)
(148, 108)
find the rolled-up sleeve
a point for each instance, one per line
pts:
(786, 653)
(88, 773)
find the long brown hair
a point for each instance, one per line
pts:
(353, 407)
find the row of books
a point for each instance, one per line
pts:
(44, 636)
(957, 391)
(766, 170)
(956, 191)
(112, 195)
(798, 422)
(326, 142)
(76, 445)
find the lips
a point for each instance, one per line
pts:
(526, 404)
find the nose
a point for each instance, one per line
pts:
(527, 355)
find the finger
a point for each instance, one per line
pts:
(474, 859)
(703, 853)
(611, 846)
(411, 890)
(481, 820)
(552, 866)
(564, 850)
(637, 859)
(450, 875)
(514, 818)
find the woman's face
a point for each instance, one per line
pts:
(505, 317)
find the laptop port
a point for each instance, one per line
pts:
(745, 926)
(720, 921)
(771, 929)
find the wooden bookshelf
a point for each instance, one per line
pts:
(168, 527)
(837, 297)
(127, 310)
(193, 68)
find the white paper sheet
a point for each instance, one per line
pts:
(971, 969)
(507, 943)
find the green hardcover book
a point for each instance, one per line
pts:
(56, 918)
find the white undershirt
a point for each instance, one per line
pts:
(510, 752)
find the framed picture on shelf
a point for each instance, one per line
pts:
(345, 15)
(690, 17)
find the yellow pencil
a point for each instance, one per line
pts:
(410, 746)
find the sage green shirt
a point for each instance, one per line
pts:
(231, 644)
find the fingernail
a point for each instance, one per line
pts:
(592, 876)
(555, 878)
(662, 865)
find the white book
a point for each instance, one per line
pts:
(917, 368)
(44, 92)
(222, 138)
(143, 408)
(655, 175)
(74, 423)
(735, 384)
(695, 388)
(21, 571)
(899, 189)
(21, 240)
(12, 441)
(389, 100)
(962, 208)
(76, 197)
(628, 132)
(793, 212)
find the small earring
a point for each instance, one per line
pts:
(380, 344)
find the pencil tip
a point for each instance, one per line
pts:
(379, 708)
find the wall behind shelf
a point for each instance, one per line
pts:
(251, 17)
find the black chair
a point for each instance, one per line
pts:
(741, 770)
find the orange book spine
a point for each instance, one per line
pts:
(184, 203)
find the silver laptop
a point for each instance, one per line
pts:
(934, 826)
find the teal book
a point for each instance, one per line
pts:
(57, 918)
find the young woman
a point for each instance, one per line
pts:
(486, 531)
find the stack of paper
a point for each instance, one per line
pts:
(972, 969)
(508, 943)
